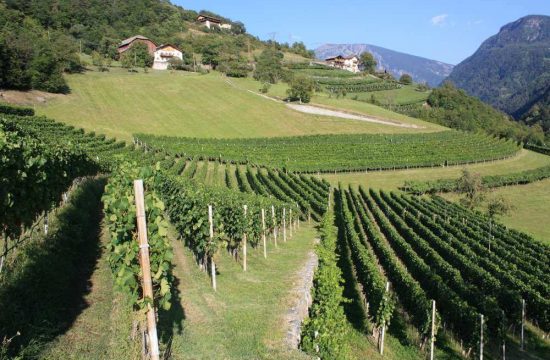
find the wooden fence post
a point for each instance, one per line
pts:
(147, 283)
(263, 233)
(212, 264)
(245, 207)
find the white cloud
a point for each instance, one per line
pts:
(439, 20)
(473, 23)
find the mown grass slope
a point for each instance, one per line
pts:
(118, 103)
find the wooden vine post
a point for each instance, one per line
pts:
(212, 264)
(290, 222)
(503, 343)
(46, 224)
(274, 224)
(147, 283)
(284, 224)
(263, 233)
(432, 340)
(383, 334)
(481, 338)
(522, 324)
(245, 207)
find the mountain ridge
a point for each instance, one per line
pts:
(511, 69)
(420, 68)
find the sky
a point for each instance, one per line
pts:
(444, 30)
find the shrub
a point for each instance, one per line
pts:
(406, 79)
(265, 88)
(16, 110)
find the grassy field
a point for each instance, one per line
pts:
(118, 103)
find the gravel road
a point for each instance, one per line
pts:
(309, 109)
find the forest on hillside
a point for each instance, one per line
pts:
(41, 40)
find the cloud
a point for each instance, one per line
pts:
(473, 23)
(439, 20)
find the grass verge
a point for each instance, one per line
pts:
(244, 319)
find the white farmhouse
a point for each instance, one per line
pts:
(349, 63)
(210, 21)
(163, 55)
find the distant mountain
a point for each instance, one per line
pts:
(397, 63)
(510, 70)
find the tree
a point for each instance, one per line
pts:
(233, 65)
(102, 62)
(423, 87)
(46, 72)
(368, 62)
(301, 89)
(137, 56)
(471, 186)
(269, 66)
(211, 54)
(175, 63)
(238, 28)
(498, 205)
(406, 79)
(126, 61)
(142, 57)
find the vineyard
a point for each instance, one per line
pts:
(357, 86)
(540, 149)
(490, 181)
(433, 249)
(333, 80)
(338, 153)
(243, 207)
(35, 175)
(248, 196)
(232, 211)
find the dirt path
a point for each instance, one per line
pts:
(314, 110)
(317, 110)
